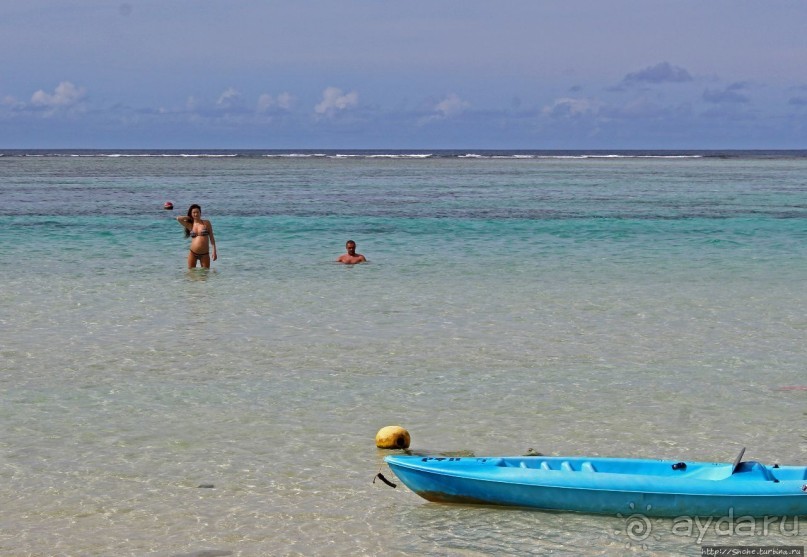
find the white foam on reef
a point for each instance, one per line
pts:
(575, 157)
(615, 156)
(401, 156)
(379, 156)
(160, 155)
(131, 155)
(296, 155)
(348, 154)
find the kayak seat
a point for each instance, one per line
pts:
(754, 470)
(717, 472)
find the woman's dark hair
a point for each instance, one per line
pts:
(190, 210)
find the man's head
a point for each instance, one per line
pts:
(350, 246)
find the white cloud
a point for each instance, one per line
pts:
(572, 107)
(265, 102)
(452, 105)
(730, 94)
(283, 100)
(64, 96)
(229, 98)
(663, 72)
(334, 100)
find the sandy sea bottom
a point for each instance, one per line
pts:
(120, 407)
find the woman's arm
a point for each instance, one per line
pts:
(214, 256)
(187, 222)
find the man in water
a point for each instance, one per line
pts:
(351, 257)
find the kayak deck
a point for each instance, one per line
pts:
(746, 471)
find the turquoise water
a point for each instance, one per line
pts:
(619, 306)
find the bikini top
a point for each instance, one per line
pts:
(204, 232)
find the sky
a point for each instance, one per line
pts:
(378, 74)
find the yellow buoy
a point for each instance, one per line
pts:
(392, 437)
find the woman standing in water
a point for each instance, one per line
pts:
(201, 234)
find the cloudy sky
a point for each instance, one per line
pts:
(531, 74)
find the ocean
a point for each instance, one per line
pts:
(632, 304)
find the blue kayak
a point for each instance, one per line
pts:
(609, 485)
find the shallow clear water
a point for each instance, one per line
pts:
(646, 307)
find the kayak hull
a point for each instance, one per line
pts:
(608, 486)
